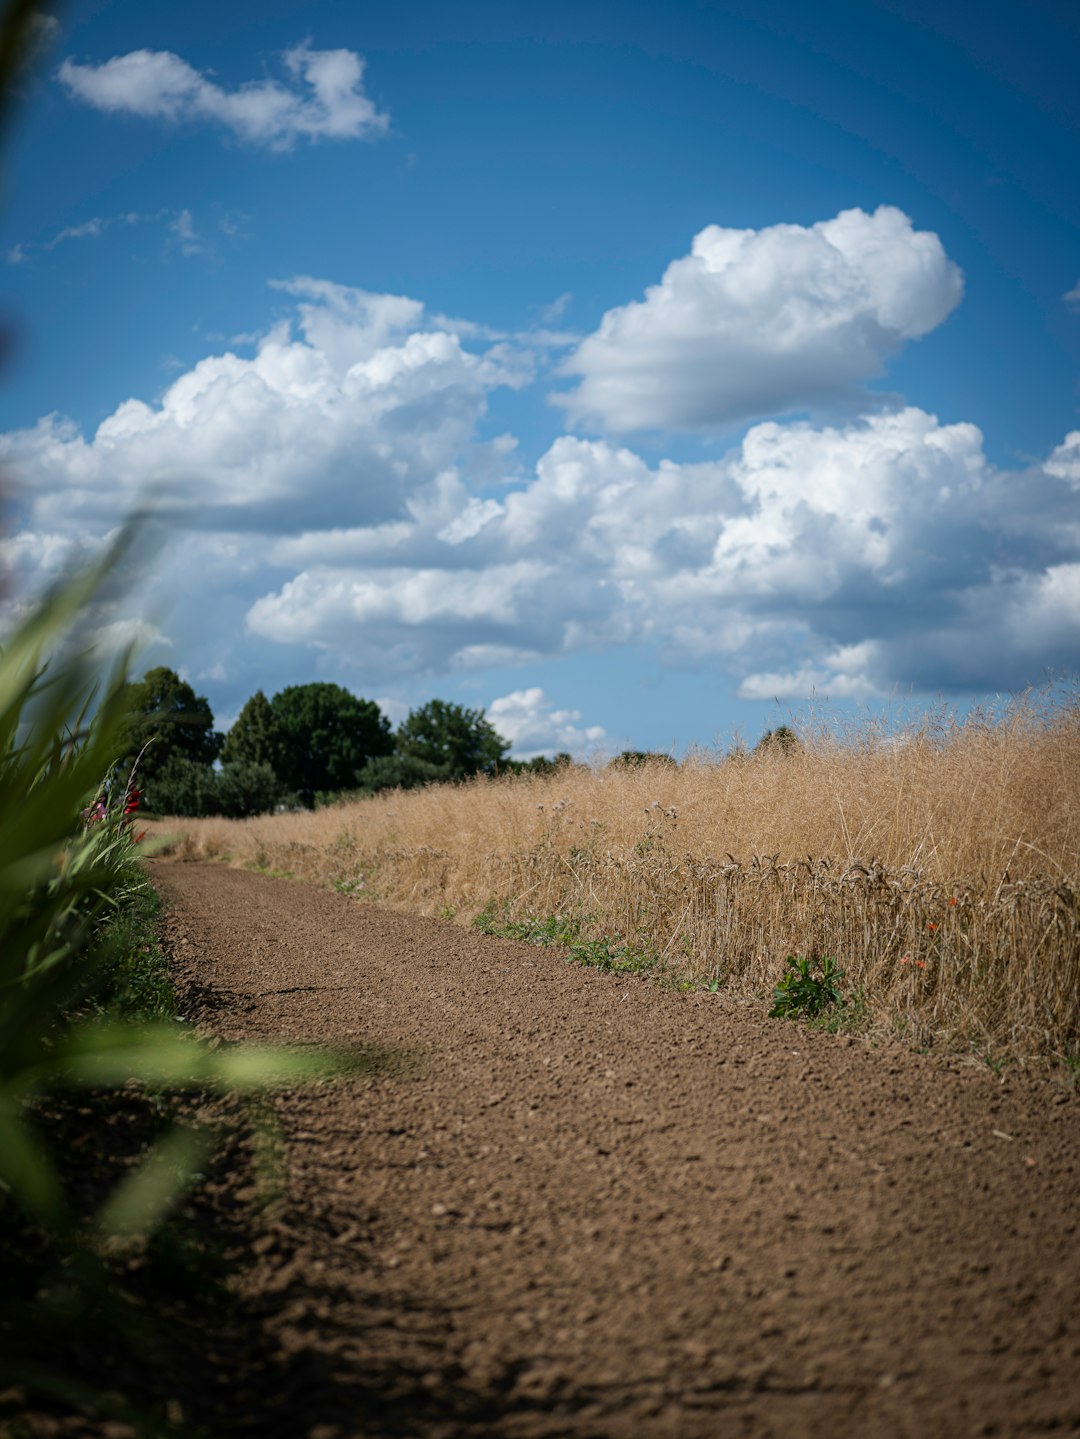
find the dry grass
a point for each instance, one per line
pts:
(956, 846)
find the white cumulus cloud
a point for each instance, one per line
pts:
(837, 559)
(1064, 459)
(841, 675)
(533, 726)
(764, 322)
(325, 98)
(337, 426)
(334, 502)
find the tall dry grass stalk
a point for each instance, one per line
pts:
(938, 866)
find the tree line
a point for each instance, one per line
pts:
(307, 745)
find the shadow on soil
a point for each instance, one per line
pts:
(231, 1319)
(231, 1322)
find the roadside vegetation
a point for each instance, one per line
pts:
(936, 867)
(97, 1149)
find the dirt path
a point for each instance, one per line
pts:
(590, 1206)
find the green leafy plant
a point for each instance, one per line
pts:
(614, 956)
(808, 989)
(78, 971)
(78, 979)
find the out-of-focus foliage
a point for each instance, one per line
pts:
(68, 865)
(633, 757)
(169, 720)
(781, 740)
(245, 788)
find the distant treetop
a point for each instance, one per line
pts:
(459, 742)
(327, 736)
(782, 740)
(163, 708)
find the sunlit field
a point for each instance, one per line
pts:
(938, 866)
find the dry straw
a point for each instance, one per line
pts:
(938, 865)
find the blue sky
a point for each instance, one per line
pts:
(636, 372)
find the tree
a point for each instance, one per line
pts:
(782, 740)
(328, 735)
(182, 786)
(256, 737)
(164, 708)
(243, 789)
(457, 741)
(635, 758)
(187, 787)
(397, 771)
(542, 764)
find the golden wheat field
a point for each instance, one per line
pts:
(938, 866)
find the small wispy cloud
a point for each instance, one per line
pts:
(1072, 297)
(324, 100)
(43, 32)
(233, 225)
(182, 229)
(553, 313)
(179, 225)
(88, 229)
(91, 229)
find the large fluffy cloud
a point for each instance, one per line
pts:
(337, 426)
(332, 502)
(764, 322)
(845, 559)
(325, 100)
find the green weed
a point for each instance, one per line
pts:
(612, 956)
(136, 983)
(807, 990)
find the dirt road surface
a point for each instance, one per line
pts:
(580, 1204)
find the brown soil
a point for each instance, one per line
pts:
(581, 1204)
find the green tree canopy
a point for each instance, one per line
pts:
(540, 764)
(328, 735)
(181, 786)
(164, 708)
(632, 758)
(244, 788)
(782, 740)
(256, 737)
(457, 741)
(397, 771)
